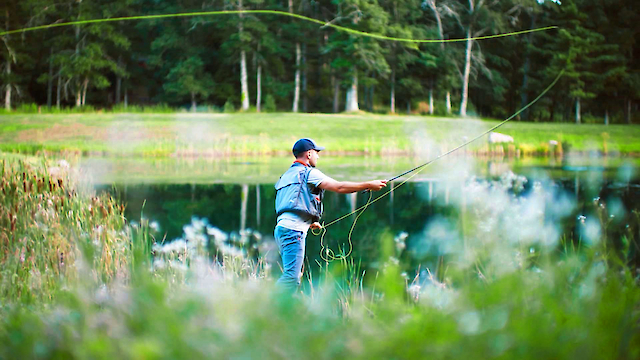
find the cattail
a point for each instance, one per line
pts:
(60, 184)
(24, 185)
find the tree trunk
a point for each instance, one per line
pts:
(50, 80)
(243, 67)
(85, 85)
(126, 98)
(243, 80)
(352, 95)
(305, 97)
(431, 98)
(448, 102)
(372, 90)
(296, 92)
(628, 114)
(259, 88)
(59, 89)
(578, 111)
(119, 81)
(79, 97)
(606, 117)
(336, 94)
(465, 77)
(408, 107)
(193, 102)
(393, 91)
(7, 94)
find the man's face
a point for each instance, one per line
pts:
(313, 157)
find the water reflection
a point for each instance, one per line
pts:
(439, 215)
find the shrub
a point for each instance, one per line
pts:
(228, 107)
(269, 103)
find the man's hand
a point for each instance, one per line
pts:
(376, 185)
(316, 225)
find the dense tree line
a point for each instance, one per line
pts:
(271, 61)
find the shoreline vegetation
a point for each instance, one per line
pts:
(270, 134)
(81, 281)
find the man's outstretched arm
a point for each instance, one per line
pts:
(347, 187)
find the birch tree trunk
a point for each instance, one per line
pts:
(296, 92)
(434, 8)
(578, 117)
(628, 114)
(243, 67)
(393, 91)
(243, 80)
(259, 88)
(85, 86)
(336, 94)
(431, 99)
(7, 94)
(59, 89)
(50, 80)
(352, 95)
(465, 76)
(193, 102)
(606, 117)
(305, 98)
(119, 81)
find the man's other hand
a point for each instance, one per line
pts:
(376, 185)
(316, 225)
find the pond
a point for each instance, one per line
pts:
(440, 210)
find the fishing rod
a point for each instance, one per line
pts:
(481, 135)
(327, 254)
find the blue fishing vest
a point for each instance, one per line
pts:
(293, 194)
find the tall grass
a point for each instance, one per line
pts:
(48, 226)
(211, 295)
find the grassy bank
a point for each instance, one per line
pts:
(211, 294)
(268, 134)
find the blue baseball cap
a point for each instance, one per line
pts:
(305, 144)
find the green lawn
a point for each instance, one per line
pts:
(186, 134)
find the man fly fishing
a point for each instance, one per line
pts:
(299, 194)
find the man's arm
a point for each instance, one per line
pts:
(347, 187)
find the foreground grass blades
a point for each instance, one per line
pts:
(113, 300)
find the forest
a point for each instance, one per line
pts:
(271, 62)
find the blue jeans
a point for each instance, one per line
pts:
(291, 247)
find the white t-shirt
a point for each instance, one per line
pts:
(296, 221)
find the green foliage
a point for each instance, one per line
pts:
(228, 107)
(186, 60)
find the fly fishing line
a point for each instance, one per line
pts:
(328, 255)
(270, 12)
